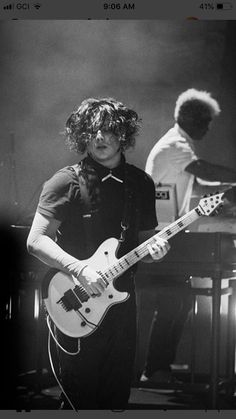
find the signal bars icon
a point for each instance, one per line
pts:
(9, 7)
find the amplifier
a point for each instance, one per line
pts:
(166, 204)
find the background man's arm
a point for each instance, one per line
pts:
(211, 172)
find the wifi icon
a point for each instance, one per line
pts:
(37, 6)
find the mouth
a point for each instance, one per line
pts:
(101, 147)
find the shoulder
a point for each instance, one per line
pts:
(62, 181)
(63, 176)
(139, 175)
(168, 142)
(174, 144)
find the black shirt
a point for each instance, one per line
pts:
(61, 199)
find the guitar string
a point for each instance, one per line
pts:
(142, 249)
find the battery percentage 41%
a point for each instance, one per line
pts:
(207, 6)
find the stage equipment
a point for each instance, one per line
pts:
(211, 255)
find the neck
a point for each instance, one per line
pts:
(185, 135)
(109, 163)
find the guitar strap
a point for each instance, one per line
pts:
(129, 207)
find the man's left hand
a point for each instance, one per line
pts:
(158, 249)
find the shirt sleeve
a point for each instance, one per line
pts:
(148, 219)
(56, 196)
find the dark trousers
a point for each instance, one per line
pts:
(173, 304)
(99, 377)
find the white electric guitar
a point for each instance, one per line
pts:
(76, 313)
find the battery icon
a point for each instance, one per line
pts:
(224, 6)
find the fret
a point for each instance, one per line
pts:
(110, 271)
(141, 251)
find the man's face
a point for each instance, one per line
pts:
(104, 146)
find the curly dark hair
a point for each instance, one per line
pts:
(96, 114)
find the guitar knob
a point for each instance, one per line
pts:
(87, 310)
(83, 323)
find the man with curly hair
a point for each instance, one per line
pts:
(81, 206)
(173, 160)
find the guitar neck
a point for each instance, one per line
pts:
(137, 254)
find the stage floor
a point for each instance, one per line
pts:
(31, 397)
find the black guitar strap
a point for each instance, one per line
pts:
(129, 200)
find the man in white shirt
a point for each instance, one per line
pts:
(173, 161)
(167, 162)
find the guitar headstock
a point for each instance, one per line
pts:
(209, 205)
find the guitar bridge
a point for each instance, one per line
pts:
(70, 301)
(81, 293)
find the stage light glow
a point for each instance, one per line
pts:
(36, 304)
(10, 308)
(196, 307)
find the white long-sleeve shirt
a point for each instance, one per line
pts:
(167, 161)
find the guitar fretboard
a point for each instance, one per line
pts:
(137, 254)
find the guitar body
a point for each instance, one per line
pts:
(85, 320)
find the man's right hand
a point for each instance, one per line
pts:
(91, 281)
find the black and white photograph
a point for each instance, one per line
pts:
(118, 215)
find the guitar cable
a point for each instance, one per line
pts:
(58, 344)
(50, 333)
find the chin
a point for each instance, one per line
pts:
(102, 154)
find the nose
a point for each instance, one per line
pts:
(99, 136)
